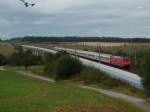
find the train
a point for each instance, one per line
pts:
(118, 61)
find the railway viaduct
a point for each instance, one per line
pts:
(38, 50)
(130, 78)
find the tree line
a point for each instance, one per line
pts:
(37, 39)
(21, 58)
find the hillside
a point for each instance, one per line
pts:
(23, 94)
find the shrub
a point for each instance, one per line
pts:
(47, 58)
(25, 58)
(2, 60)
(50, 65)
(66, 66)
(91, 75)
(49, 69)
(62, 66)
(17, 57)
(58, 55)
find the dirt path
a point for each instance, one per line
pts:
(34, 76)
(136, 101)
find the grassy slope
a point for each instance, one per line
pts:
(122, 88)
(24, 94)
(6, 49)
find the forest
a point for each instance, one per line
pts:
(37, 39)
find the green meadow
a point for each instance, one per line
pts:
(24, 94)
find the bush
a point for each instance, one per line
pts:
(62, 66)
(66, 66)
(16, 59)
(91, 75)
(49, 69)
(2, 60)
(47, 58)
(24, 58)
(50, 65)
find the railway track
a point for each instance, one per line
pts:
(128, 77)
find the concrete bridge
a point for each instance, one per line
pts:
(38, 50)
(128, 77)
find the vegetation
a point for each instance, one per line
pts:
(67, 66)
(135, 51)
(6, 49)
(145, 71)
(24, 94)
(47, 58)
(63, 66)
(92, 75)
(139, 55)
(2, 60)
(36, 69)
(40, 39)
(24, 58)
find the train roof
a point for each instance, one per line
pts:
(86, 52)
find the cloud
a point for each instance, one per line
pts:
(76, 17)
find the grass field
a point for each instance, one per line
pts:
(23, 94)
(122, 88)
(36, 70)
(6, 49)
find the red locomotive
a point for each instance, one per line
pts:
(120, 61)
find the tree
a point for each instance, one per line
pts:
(16, 58)
(48, 58)
(29, 59)
(50, 63)
(25, 58)
(66, 66)
(145, 71)
(2, 60)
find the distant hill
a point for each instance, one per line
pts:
(38, 39)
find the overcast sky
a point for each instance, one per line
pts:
(125, 18)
